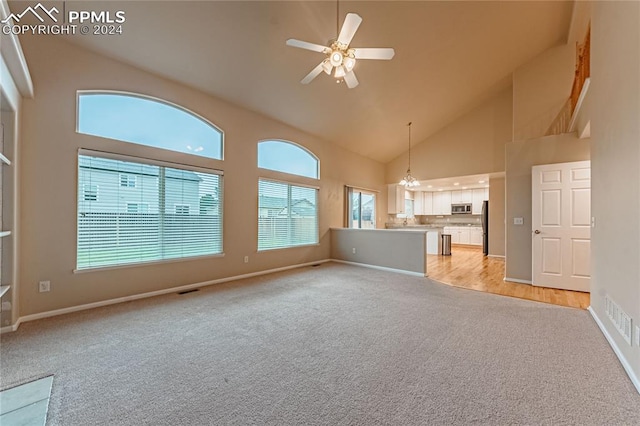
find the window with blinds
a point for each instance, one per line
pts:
(287, 215)
(163, 211)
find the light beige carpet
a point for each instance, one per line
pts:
(330, 345)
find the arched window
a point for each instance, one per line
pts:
(147, 121)
(289, 158)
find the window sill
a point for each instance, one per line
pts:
(151, 263)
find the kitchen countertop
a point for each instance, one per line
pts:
(425, 226)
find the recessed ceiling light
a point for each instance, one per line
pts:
(440, 189)
(429, 186)
(486, 186)
(456, 183)
(480, 181)
(464, 187)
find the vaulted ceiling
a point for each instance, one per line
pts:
(450, 56)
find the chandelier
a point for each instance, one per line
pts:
(409, 181)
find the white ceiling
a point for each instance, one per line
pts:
(450, 56)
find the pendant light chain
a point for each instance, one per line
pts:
(409, 168)
(409, 181)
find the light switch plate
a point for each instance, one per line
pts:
(518, 221)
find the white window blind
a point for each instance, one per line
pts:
(287, 215)
(136, 224)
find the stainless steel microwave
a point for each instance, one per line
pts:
(464, 208)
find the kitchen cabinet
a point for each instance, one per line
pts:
(478, 196)
(475, 237)
(461, 196)
(427, 203)
(418, 203)
(442, 203)
(469, 235)
(395, 200)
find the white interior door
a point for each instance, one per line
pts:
(561, 221)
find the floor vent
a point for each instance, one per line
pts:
(619, 318)
(188, 291)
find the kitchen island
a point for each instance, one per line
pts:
(387, 249)
(433, 240)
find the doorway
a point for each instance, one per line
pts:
(561, 221)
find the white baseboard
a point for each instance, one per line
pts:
(11, 328)
(515, 280)
(497, 256)
(381, 268)
(71, 309)
(634, 379)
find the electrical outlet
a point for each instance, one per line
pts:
(44, 286)
(354, 250)
(246, 259)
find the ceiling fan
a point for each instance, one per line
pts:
(339, 55)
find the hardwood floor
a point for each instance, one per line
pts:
(468, 268)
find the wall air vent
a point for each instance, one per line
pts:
(188, 291)
(619, 318)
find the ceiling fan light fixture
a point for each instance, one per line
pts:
(336, 58)
(327, 67)
(349, 63)
(340, 72)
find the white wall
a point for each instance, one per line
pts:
(49, 168)
(615, 147)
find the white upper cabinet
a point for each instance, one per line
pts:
(395, 200)
(427, 199)
(442, 202)
(461, 196)
(418, 204)
(479, 195)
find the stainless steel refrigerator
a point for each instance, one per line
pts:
(485, 227)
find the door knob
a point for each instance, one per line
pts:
(536, 232)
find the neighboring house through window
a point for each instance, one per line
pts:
(89, 192)
(182, 208)
(128, 181)
(137, 208)
(287, 211)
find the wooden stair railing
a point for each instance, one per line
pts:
(582, 72)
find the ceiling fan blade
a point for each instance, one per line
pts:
(349, 28)
(306, 45)
(351, 80)
(374, 53)
(313, 74)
